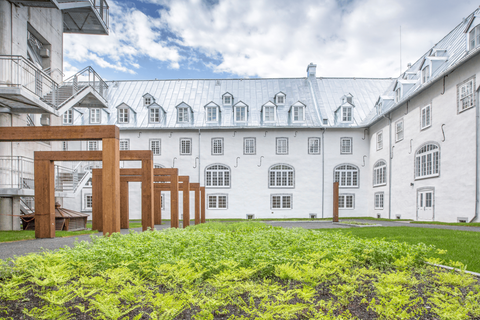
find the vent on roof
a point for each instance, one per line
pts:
(217, 83)
(325, 122)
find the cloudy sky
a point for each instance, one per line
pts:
(181, 39)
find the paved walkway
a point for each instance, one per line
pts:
(11, 249)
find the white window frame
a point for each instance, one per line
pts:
(212, 114)
(280, 99)
(270, 115)
(284, 201)
(347, 175)
(64, 145)
(379, 140)
(123, 115)
(185, 146)
(281, 175)
(238, 113)
(474, 37)
(344, 199)
(426, 117)
(379, 200)
(218, 175)
(183, 115)
(398, 94)
(162, 201)
(298, 113)
(217, 146)
(399, 130)
(95, 115)
(87, 202)
(347, 114)
(314, 145)
(155, 146)
(427, 161)
(249, 146)
(380, 173)
(214, 201)
(154, 115)
(346, 145)
(124, 144)
(466, 95)
(281, 146)
(426, 74)
(92, 145)
(68, 117)
(227, 100)
(147, 101)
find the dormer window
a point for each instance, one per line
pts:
(240, 112)
(227, 99)
(94, 115)
(280, 98)
(68, 117)
(183, 114)
(426, 74)
(379, 108)
(298, 112)
(154, 115)
(398, 94)
(148, 99)
(269, 112)
(123, 115)
(212, 114)
(474, 37)
(347, 114)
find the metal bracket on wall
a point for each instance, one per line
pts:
(391, 153)
(443, 132)
(236, 162)
(234, 132)
(196, 158)
(364, 135)
(259, 165)
(173, 165)
(139, 134)
(410, 146)
(170, 134)
(407, 107)
(295, 134)
(363, 165)
(265, 133)
(443, 92)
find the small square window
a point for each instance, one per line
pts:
(426, 117)
(325, 122)
(280, 99)
(227, 100)
(183, 115)
(147, 101)
(217, 146)
(92, 145)
(185, 146)
(124, 144)
(123, 115)
(154, 115)
(282, 146)
(155, 146)
(380, 140)
(313, 145)
(249, 146)
(281, 201)
(379, 200)
(465, 94)
(68, 117)
(212, 114)
(94, 115)
(87, 202)
(399, 130)
(346, 201)
(217, 201)
(346, 145)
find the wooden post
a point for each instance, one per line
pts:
(124, 209)
(186, 200)
(174, 222)
(147, 194)
(335, 202)
(157, 207)
(196, 188)
(202, 218)
(111, 185)
(97, 215)
(44, 199)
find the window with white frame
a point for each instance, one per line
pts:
(474, 37)
(313, 145)
(281, 201)
(427, 161)
(87, 201)
(64, 145)
(378, 200)
(162, 201)
(217, 201)
(154, 115)
(249, 146)
(92, 145)
(426, 74)
(155, 146)
(282, 145)
(212, 114)
(185, 146)
(280, 99)
(217, 175)
(217, 146)
(68, 117)
(426, 117)
(347, 176)
(240, 113)
(347, 114)
(380, 140)
(298, 113)
(380, 173)
(182, 114)
(466, 98)
(399, 130)
(147, 101)
(94, 115)
(398, 94)
(346, 201)
(281, 176)
(123, 115)
(227, 100)
(269, 113)
(124, 144)
(346, 145)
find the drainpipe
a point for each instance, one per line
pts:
(389, 117)
(323, 171)
(199, 135)
(477, 138)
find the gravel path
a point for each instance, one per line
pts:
(17, 248)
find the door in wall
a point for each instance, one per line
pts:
(425, 205)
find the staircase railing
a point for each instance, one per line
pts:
(86, 77)
(101, 6)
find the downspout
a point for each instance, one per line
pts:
(199, 134)
(477, 150)
(323, 172)
(390, 156)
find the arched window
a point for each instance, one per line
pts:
(217, 175)
(347, 175)
(158, 166)
(427, 161)
(380, 173)
(281, 176)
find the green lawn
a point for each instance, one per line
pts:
(462, 224)
(463, 246)
(7, 236)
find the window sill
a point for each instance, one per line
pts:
(427, 177)
(380, 185)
